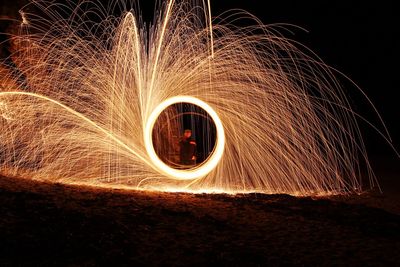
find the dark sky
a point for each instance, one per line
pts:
(359, 38)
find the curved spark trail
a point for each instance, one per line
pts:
(97, 84)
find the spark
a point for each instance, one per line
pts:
(95, 90)
(5, 112)
(24, 18)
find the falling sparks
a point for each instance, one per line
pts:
(95, 89)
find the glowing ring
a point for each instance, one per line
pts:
(190, 174)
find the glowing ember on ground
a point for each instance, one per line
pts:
(95, 87)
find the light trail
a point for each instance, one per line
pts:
(96, 85)
(197, 172)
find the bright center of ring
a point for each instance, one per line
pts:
(209, 162)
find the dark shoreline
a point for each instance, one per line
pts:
(52, 224)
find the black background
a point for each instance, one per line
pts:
(359, 38)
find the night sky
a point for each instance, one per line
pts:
(359, 38)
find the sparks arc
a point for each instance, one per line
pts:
(93, 79)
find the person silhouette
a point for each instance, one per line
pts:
(187, 147)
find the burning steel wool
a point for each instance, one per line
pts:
(94, 86)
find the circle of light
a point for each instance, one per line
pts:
(197, 172)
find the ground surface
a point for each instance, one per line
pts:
(51, 224)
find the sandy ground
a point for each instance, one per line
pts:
(58, 225)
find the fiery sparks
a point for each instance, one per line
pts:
(96, 84)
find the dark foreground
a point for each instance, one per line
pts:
(47, 224)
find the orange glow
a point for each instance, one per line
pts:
(95, 90)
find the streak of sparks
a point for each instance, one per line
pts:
(95, 89)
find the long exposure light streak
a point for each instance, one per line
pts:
(200, 171)
(95, 85)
